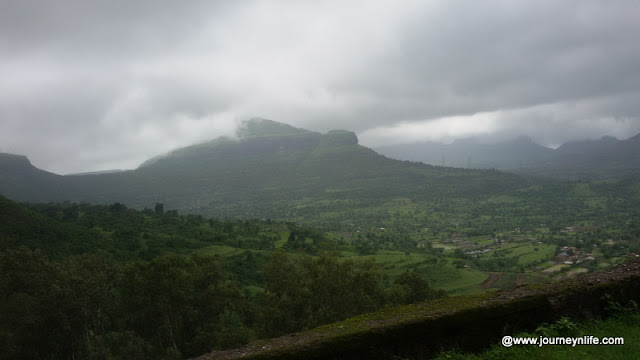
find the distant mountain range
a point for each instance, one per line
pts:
(272, 170)
(580, 160)
(471, 153)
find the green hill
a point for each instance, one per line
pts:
(272, 170)
(22, 226)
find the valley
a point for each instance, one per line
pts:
(278, 231)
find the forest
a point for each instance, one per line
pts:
(221, 243)
(111, 282)
(108, 282)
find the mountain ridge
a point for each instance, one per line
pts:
(276, 171)
(574, 160)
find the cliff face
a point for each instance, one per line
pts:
(15, 162)
(19, 179)
(468, 323)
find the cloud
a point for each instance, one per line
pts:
(89, 85)
(548, 124)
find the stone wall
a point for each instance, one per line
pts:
(469, 322)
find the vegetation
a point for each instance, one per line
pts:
(145, 284)
(622, 323)
(107, 281)
(217, 244)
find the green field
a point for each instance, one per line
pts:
(555, 268)
(392, 264)
(462, 282)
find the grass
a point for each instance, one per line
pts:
(466, 282)
(284, 235)
(544, 252)
(506, 281)
(440, 276)
(484, 241)
(555, 268)
(622, 326)
(444, 246)
(528, 254)
(393, 263)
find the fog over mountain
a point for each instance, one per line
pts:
(602, 158)
(89, 86)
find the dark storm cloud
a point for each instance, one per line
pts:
(98, 28)
(477, 57)
(90, 85)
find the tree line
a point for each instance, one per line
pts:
(141, 286)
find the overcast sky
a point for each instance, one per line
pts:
(90, 85)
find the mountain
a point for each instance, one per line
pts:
(580, 160)
(18, 177)
(634, 139)
(471, 153)
(591, 159)
(271, 170)
(99, 172)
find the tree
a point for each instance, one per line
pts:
(411, 288)
(159, 209)
(308, 292)
(176, 302)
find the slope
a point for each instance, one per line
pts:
(272, 170)
(579, 160)
(19, 179)
(471, 153)
(592, 159)
(22, 226)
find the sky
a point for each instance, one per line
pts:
(92, 85)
